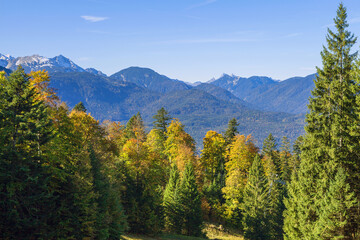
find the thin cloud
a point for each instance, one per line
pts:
(293, 35)
(207, 40)
(354, 20)
(94, 19)
(202, 4)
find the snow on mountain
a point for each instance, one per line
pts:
(4, 59)
(95, 71)
(37, 62)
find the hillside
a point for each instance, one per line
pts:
(290, 95)
(200, 111)
(149, 79)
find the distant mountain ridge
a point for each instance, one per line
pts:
(37, 62)
(261, 104)
(149, 79)
(264, 93)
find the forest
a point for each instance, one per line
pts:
(65, 175)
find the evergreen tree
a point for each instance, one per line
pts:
(171, 212)
(161, 121)
(135, 128)
(231, 130)
(26, 200)
(276, 184)
(256, 203)
(330, 141)
(189, 203)
(80, 107)
(101, 190)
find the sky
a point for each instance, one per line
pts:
(189, 40)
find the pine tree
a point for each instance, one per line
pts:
(26, 209)
(277, 189)
(161, 121)
(231, 130)
(189, 202)
(256, 203)
(171, 211)
(330, 139)
(80, 107)
(101, 189)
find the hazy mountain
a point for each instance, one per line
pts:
(149, 79)
(105, 98)
(220, 93)
(199, 110)
(244, 87)
(289, 96)
(264, 93)
(95, 71)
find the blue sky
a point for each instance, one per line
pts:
(191, 40)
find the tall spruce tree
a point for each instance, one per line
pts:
(162, 119)
(189, 202)
(231, 131)
(256, 218)
(330, 142)
(272, 163)
(171, 211)
(26, 209)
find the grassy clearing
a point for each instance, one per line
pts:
(212, 232)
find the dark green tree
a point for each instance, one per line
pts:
(189, 203)
(272, 162)
(26, 200)
(101, 189)
(161, 122)
(172, 220)
(256, 218)
(231, 130)
(331, 140)
(80, 107)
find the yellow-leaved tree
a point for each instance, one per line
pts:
(240, 157)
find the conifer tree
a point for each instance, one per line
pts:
(189, 203)
(101, 190)
(276, 186)
(231, 130)
(256, 219)
(161, 121)
(26, 209)
(171, 211)
(80, 107)
(330, 141)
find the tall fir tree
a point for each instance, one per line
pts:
(161, 122)
(80, 107)
(231, 130)
(255, 205)
(189, 202)
(171, 212)
(331, 141)
(26, 209)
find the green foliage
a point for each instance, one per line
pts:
(161, 121)
(189, 203)
(172, 220)
(231, 130)
(329, 143)
(256, 218)
(80, 107)
(26, 201)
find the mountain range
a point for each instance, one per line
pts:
(260, 104)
